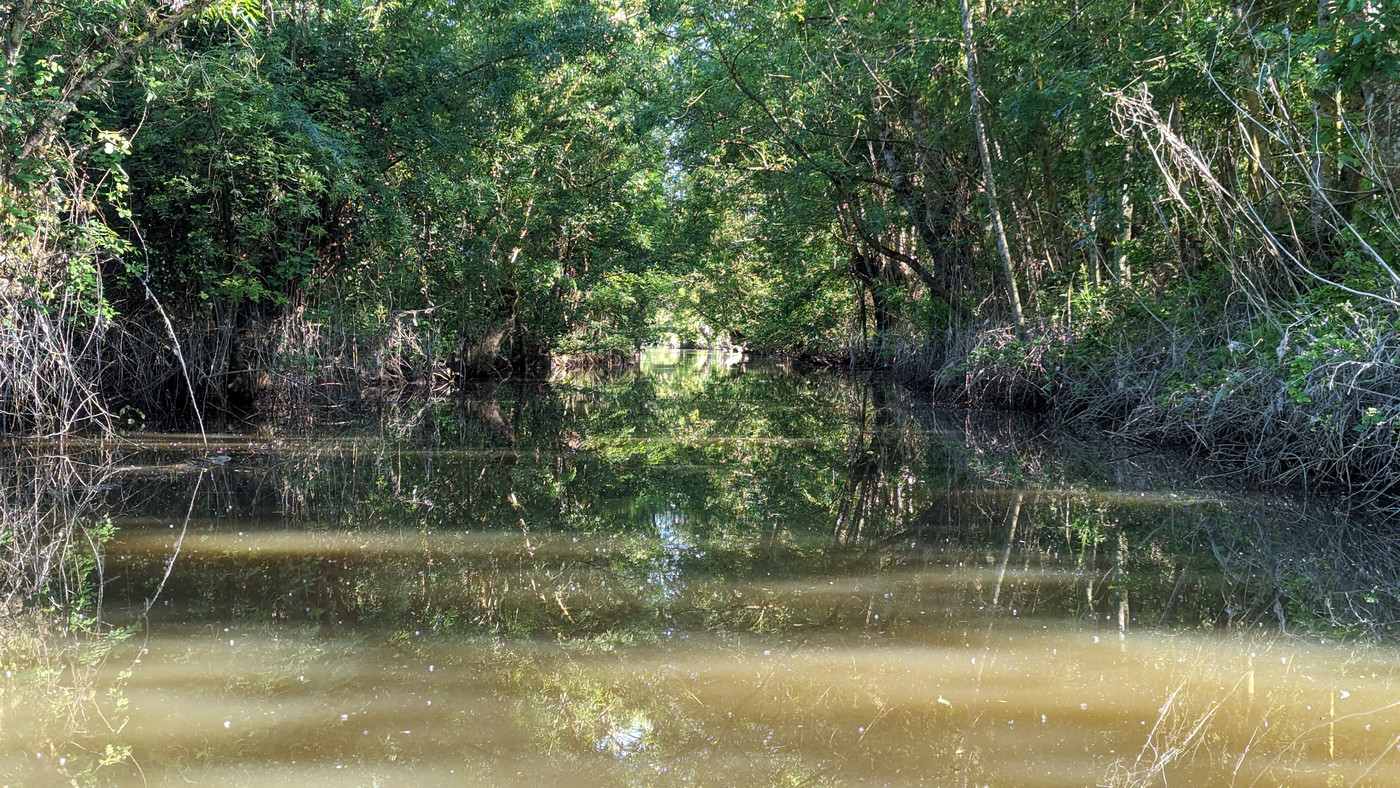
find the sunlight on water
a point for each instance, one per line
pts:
(699, 573)
(1010, 705)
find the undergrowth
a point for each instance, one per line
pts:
(1305, 394)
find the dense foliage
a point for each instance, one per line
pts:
(1177, 217)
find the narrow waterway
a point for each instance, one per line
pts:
(699, 572)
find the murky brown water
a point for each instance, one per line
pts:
(695, 574)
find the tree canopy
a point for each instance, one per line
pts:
(204, 202)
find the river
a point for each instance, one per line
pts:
(701, 571)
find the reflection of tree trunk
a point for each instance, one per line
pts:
(1012, 516)
(865, 491)
(1123, 604)
(1089, 563)
(479, 413)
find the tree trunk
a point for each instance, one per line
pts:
(1383, 123)
(1092, 205)
(1125, 221)
(1013, 296)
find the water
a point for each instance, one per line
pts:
(698, 573)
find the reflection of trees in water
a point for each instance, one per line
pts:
(764, 503)
(1307, 568)
(53, 643)
(776, 475)
(1227, 563)
(49, 528)
(879, 473)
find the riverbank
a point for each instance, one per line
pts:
(1306, 397)
(1302, 394)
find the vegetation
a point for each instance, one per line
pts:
(1175, 220)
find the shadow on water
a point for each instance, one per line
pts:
(702, 570)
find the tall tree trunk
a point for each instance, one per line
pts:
(1013, 296)
(1092, 204)
(1383, 123)
(1125, 220)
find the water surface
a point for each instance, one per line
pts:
(698, 572)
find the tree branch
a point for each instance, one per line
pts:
(44, 129)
